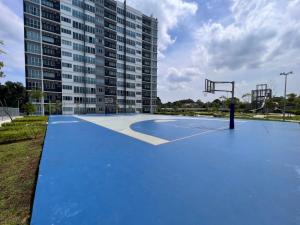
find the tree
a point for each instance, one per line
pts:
(236, 102)
(36, 94)
(158, 101)
(291, 100)
(53, 108)
(29, 108)
(247, 97)
(1, 63)
(13, 94)
(216, 103)
(200, 104)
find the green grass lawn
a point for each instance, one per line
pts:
(20, 150)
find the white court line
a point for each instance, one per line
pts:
(122, 124)
(200, 133)
(163, 121)
(63, 122)
(191, 127)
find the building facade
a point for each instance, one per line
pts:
(90, 56)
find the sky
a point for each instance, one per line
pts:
(246, 41)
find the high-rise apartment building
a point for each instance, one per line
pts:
(90, 56)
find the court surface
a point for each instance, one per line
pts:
(168, 170)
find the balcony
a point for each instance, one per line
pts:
(109, 63)
(110, 82)
(110, 34)
(52, 75)
(110, 44)
(50, 15)
(50, 27)
(110, 5)
(110, 91)
(110, 73)
(54, 4)
(51, 51)
(51, 39)
(52, 63)
(52, 86)
(146, 78)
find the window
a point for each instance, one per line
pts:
(67, 76)
(51, 62)
(66, 31)
(130, 42)
(33, 47)
(49, 75)
(82, 69)
(33, 60)
(65, 42)
(65, 19)
(81, 58)
(31, 22)
(67, 98)
(67, 65)
(31, 9)
(79, 3)
(48, 39)
(87, 80)
(32, 35)
(81, 26)
(34, 73)
(82, 16)
(84, 90)
(66, 8)
(82, 100)
(34, 85)
(68, 54)
(67, 87)
(80, 47)
(51, 27)
(78, 36)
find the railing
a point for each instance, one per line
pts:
(4, 111)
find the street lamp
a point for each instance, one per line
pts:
(284, 106)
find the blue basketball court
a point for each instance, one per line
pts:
(168, 170)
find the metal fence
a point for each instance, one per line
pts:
(13, 112)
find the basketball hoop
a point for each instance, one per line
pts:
(210, 87)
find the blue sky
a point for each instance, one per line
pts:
(248, 41)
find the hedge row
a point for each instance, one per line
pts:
(296, 112)
(22, 129)
(32, 119)
(22, 123)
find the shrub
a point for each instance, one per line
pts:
(296, 112)
(31, 119)
(16, 124)
(14, 135)
(22, 129)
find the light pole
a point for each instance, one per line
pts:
(284, 104)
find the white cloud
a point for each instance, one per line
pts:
(256, 41)
(253, 44)
(12, 34)
(169, 13)
(261, 31)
